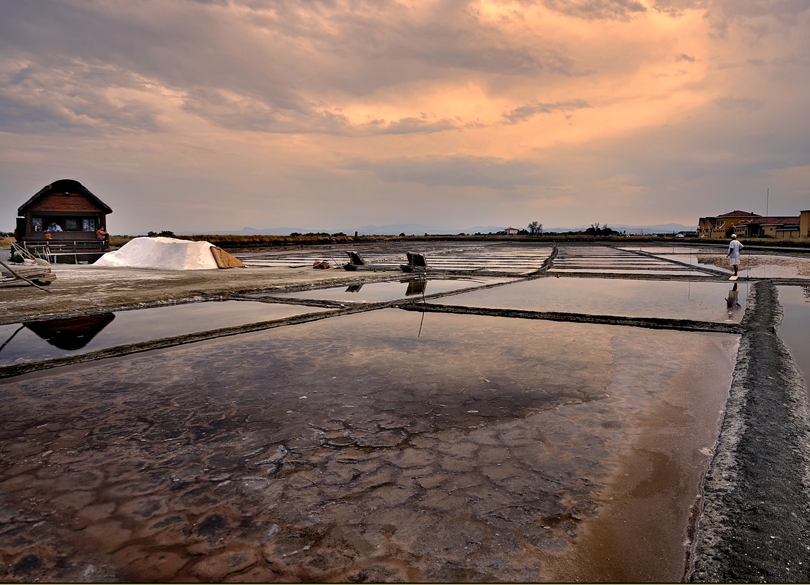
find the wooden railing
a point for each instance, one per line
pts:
(49, 250)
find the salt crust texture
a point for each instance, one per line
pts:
(161, 253)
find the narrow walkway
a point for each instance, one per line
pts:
(755, 523)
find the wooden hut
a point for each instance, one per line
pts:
(63, 218)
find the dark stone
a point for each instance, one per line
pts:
(212, 525)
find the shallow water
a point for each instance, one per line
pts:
(50, 339)
(794, 330)
(629, 271)
(702, 301)
(375, 292)
(501, 257)
(604, 260)
(697, 260)
(640, 264)
(382, 446)
(659, 250)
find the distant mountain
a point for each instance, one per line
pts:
(280, 231)
(662, 228)
(409, 229)
(417, 229)
(488, 229)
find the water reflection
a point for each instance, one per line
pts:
(51, 339)
(695, 300)
(372, 292)
(71, 334)
(415, 287)
(795, 324)
(733, 302)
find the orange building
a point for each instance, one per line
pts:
(770, 227)
(756, 226)
(723, 225)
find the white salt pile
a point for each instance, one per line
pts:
(162, 253)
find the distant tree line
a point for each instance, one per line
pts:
(536, 228)
(596, 230)
(317, 234)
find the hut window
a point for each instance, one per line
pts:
(36, 223)
(71, 224)
(89, 225)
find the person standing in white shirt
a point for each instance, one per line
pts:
(734, 247)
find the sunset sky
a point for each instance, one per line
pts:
(200, 116)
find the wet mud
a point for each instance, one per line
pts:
(445, 442)
(326, 452)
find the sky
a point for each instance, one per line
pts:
(198, 116)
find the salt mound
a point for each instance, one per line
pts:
(162, 253)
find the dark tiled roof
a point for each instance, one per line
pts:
(793, 220)
(738, 213)
(61, 186)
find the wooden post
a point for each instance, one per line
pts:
(32, 283)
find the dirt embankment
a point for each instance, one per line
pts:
(748, 262)
(755, 523)
(86, 289)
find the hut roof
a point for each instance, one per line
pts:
(62, 186)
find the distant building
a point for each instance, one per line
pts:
(755, 226)
(722, 226)
(510, 231)
(770, 227)
(64, 216)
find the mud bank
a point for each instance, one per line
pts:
(81, 290)
(754, 526)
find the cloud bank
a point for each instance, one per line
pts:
(211, 115)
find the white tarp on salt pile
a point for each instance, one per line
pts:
(162, 253)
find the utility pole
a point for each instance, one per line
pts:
(767, 200)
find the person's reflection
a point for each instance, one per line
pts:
(732, 301)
